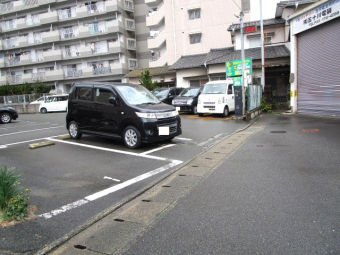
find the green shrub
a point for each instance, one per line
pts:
(266, 107)
(13, 199)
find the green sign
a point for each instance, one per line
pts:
(234, 67)
(237, 81)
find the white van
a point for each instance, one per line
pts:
(217, 97)
(55, 103)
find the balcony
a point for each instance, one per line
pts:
(14, 61)
(50, 37)
(48, 17)
(73, 73)
(118, 68)
(54, 75)
(2, 63)
(156, 18)
(14, 79)
(156, 41)
(89, 31)
(100, 71)
(3, 80)
(111, 5)
(153, 3)
(116, 47)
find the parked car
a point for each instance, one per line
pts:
(217, 97)
(127, 112)
(7, 114)
(38, 101)
(186, 101)
(166, 95)
(55, 103)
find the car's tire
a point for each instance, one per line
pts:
(43, 110)
(132, 137)
(5, 118)
(73, 130)
(225, 111)
(194, 109)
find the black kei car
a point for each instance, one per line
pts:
(187, 100)
(127, 112)
(166, 95)
(7, 114)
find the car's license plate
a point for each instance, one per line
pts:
(164, 130)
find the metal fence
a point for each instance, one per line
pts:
(19, 99)
(254, 96)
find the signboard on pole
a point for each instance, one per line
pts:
(234, 67)
(245, 4)
(237, 81)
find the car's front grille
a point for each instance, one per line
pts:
(209, 103)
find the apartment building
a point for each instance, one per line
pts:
(59, 42)
(187, 27)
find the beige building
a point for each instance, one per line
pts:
(60, 42)
(187, 27)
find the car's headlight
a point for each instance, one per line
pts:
(146, 115)
(173, 102)
(190, 101)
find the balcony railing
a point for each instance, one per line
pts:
(12, 61)
(14, 78)
(101, 70)
(41, 76)
(73, 72)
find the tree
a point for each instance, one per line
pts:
(146, 80)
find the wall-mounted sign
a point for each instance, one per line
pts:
(317, 16)
(234, 67)
(250, 29)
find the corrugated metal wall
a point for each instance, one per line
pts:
(319, 70)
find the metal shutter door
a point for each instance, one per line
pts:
(319, 70)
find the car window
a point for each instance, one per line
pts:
(214, 88)
(137, 95)
(103, 95)
(230, 89)
(189, 92)
(84, 93)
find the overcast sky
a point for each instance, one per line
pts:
(268, 9)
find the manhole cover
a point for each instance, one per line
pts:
(278, 132)
(310, 130)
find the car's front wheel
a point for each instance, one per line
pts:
(73, 130)
(194, 109)
(226, 111)
(5, 118)
(132, 137)
(43, 110)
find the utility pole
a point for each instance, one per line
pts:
(263, 78)
(243, 65)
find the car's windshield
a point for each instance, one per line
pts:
(137, 94)
(162, 92)
(217, 88)
(189, 92)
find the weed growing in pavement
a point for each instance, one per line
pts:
(13, 199)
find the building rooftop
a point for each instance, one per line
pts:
(218, 56)
(290, 3)
(266, 22)
(162, 70)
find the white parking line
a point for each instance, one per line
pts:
(108, 191)
(185, 139)
(28, 141)
(27, 131)
(157, 149)
(110, 150)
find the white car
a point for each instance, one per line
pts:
(38, 101)
(55, 103)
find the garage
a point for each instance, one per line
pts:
(316, 58)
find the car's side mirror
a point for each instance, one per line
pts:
(114, 101)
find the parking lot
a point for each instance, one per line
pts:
(72, 181)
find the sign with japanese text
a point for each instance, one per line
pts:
(234, 67)
(317, 16)
(237, 81)
(250, 29)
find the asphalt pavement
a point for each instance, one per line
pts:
(271, 188)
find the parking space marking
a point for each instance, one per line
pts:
(157, 149)
(110, 150)
(28, 141)
(116, 180)
(27, 131)
(185, 139)
(108, 191)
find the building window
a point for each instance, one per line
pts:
(255, 40)
(195, 14)
(195, 38)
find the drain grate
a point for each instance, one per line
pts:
(278, 132)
